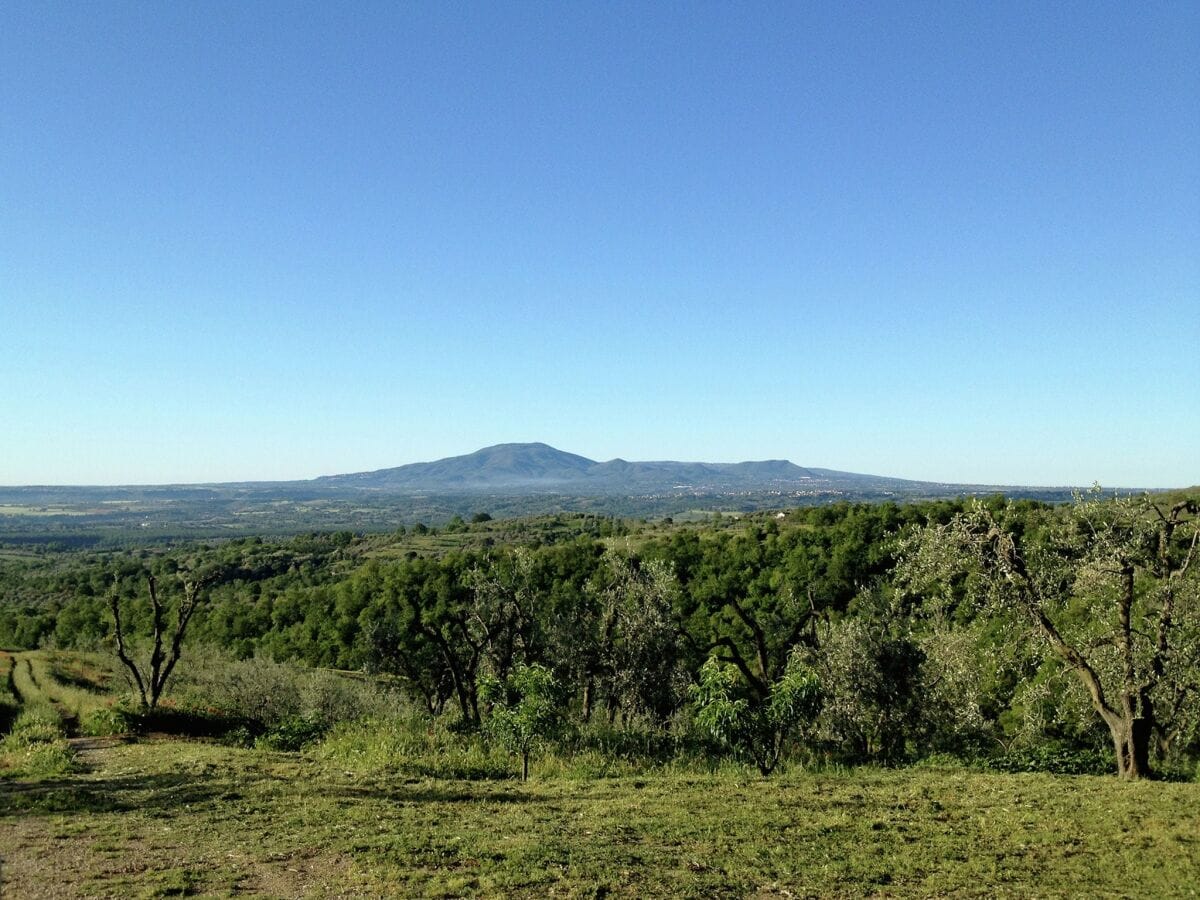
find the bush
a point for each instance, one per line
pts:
(281, 705)
(40, 759)
(106, 720)
(293, 734)
(328, 697)
(37, 723)
(259, 689)
(1054, 758)
(35, 748)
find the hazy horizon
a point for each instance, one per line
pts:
(278, 241)
(808, 465)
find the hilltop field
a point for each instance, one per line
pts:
(161, 815)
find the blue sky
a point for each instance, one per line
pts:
(256, 241)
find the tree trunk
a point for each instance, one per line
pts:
(1132, 735)
(524, 765)
(588, 688)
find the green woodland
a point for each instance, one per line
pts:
(1013, 635)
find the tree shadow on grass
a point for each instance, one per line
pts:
(429, 794)
(168, 792)
(145, 793)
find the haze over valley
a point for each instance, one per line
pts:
(504, 480)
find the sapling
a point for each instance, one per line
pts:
(523, 709)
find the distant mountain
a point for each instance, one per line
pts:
(502, 466)
(540, 467)
(508, 481)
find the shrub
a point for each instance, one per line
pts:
(293, 734)
(756, 727)
(1055, 758)
(106, 720)
(35, 748)
(283, 705)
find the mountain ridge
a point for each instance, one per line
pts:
(539, 466)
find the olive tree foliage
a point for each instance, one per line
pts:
(1109, 585)
(758, 727)
(269, 692)
(640, 667)
(874, 696)
(505, 620)
(522, 708)
(964, 681)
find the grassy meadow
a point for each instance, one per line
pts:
(163, 817)
(377, 810)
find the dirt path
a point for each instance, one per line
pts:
(87, 749)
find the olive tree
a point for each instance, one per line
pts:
(1110, 587)
(874, 680)
(640, 657)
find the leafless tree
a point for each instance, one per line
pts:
(152, 678)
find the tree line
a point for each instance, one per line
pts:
(989, 630)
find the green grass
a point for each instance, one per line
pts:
(74, 685)
(77, 684)
(22, 681)
(162, 817)
(406, 806)
(34, 746)
(7, 698)
(38, 710)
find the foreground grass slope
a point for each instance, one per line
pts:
(159, 817)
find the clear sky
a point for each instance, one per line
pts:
(257, 241)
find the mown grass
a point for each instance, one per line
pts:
(158, 817)
(47, 696)
(35, 745)
(77, 685)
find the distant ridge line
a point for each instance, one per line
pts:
(538, 466)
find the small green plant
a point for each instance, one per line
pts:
(524, 709)
(1061, 760)
(758, 729)
(105, 720)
